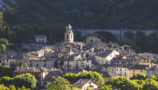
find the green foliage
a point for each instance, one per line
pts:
(152, 42)
(1, 20)
(50, 17)
(96, 77)
(74, 88)
(89, 88)
(23, 88)
(106, 87)
(71, 77)
(7, 81)
(155, 61)
(129, 35)
(150, 84)
(12, 87)
(2, 87)
(27, 80)
(130, 43)
(78, 36)
(59, 84)
(4, 41)
(106, 36)
(153, 77)
(22, 81)
(3, 44)
(2, 48)
(140, 40)
(139, 76)
(6, 71)
(123, 83)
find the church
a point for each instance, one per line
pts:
(69, 36)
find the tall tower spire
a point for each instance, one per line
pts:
(69, 36)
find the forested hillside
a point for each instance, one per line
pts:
(85, 13)
(24, 18)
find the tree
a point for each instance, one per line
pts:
(107, 36)
(7, 81)
(141, 40)
(4, 41)
(155, 61)
(129, 35)
(130, 43)
(96, 77)
(123, 83)
(12, 87)
(2, 48)
(152, 42)
(1, 21)
(153, 77)
(27, 80)
(78, 36)
(59, 84)
(71, 77)
(2, 87)
(106, 87)
(150, 84)
(23, 88)
(139, 76)
(6, 71)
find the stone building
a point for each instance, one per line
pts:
(40, 38)
(93, 39)
(85, 83)
(118, 70)
(69, 36)
(106, 56)
(74, 63)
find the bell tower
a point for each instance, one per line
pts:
(69, 36)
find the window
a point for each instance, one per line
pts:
(67, 36)
(125, 74)
(82, 65)
(37, 65)
(44, 65)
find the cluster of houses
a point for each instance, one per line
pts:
(109, 59)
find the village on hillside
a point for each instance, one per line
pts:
(109, 59)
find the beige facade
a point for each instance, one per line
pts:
(118, 70)
(89, 84)
(84, 84)
(107, 58)
(69, 36)
(40, 63)
(136, 71)
(75, 64)
(93, 38)
(8, 62)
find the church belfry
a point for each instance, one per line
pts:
(69, 36)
